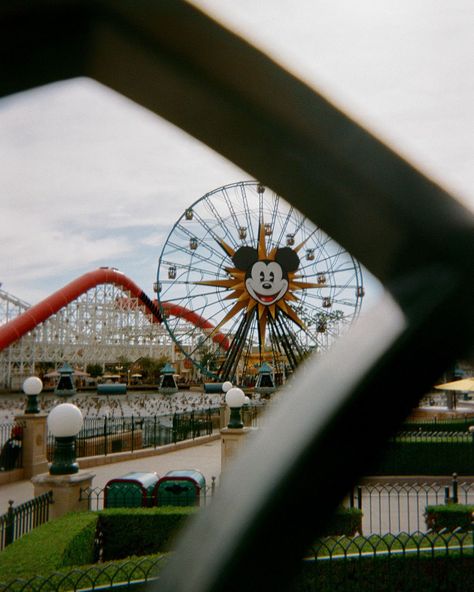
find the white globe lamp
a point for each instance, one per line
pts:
(32, 386)
(235, 398)
(65, 422)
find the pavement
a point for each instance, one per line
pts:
(206, 458)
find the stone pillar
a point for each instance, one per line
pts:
(66, 491)
(34, 443)
(232, 441)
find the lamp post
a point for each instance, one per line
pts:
(235, 398)
(65, 422)
(32, 387)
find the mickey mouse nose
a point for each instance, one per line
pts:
(266, 285)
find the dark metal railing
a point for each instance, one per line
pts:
(126, 497)
(21, 519)
(129, 575)
(400, 507)
(106, 435)
(418, 561)
(428, 453)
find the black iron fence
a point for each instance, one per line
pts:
(11, 435)
(400, 507)
(428, 453)
(106, 435)
(421, 562)
(127, 575)
(125, 496)
(21, 519)
(439, 424)
(417, 562)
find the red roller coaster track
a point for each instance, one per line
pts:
(37, 314)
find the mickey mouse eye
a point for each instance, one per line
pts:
(262, 276)
(272, 276)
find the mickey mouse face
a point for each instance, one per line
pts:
(266, 282)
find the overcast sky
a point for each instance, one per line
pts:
(87, 178)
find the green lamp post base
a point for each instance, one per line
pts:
(235, 420)
(64, 458)
(32, 404)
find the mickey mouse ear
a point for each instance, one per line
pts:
(287, 258)
(245, 257)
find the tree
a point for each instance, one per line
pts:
(94, 370)
(151, 367)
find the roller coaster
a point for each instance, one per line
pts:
(100, 317)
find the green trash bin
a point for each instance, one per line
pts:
(180, 488)
(133, 490)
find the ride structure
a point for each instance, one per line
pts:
(272, 283)
(101, 317)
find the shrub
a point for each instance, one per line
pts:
(449, 517)
(140, 531)
(66, 541)
(346, 521)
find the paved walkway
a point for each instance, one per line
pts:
(204, 457)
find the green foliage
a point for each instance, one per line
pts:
(94, 370)
(449, 517)
(346, 521)
(437, 455)
(66, 541)
(140, 531)
(439, 425)
(407, 573)
(150, 368)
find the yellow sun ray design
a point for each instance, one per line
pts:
(244, 301)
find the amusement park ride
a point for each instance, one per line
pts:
(243, 279)
(266, 278)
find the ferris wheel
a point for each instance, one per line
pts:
(245, 278)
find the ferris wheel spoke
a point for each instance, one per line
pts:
(234, 217)
(211, 231)
(284, 226)
(193, 252)
(250, 226)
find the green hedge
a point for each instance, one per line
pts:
(439, 425)
(450, 517)
(410, 573)
(425, 457)
(346, 521)
(67, 541)
(140, 531)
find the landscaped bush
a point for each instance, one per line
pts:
(428, 454)
(66, 541)
(449, 517)
(346, 521)
(140, 531)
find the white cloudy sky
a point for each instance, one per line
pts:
(87, 178)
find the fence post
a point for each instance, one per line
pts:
(10, 527)
(455, 498)
(154, 431)
(175, 428)
(133, 432)
(213, 486)
(105, 435)
(446, 494)
(359, 497)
